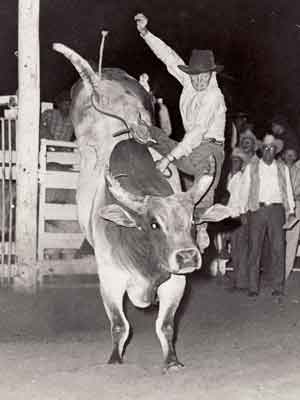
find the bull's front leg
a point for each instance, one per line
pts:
(112, 293)
(170, 294)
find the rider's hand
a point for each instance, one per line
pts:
(141, 23)
(162, 165)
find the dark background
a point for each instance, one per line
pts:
(257, 41)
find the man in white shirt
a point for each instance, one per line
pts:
(266, 193)
(202, 109)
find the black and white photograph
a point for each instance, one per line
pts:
(150, 200)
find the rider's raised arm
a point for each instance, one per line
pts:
(167, 55)
(162, 51)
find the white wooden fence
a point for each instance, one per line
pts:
(59, 235)
(58, 174)
(7, 200)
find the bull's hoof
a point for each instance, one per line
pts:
(174, 366)
(115, 359)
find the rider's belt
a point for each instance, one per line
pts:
(213, 140)
(262, 204)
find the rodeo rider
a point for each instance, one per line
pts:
(203, 113)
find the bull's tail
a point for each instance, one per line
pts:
(89, 77)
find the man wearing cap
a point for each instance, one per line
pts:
(202, 108)
(266, 193)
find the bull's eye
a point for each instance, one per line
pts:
(155, 225)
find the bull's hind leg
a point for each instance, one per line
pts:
(112, 296)
(170, 294)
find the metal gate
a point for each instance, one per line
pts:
(7, 200)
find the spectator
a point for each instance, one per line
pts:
(292, 235)
(281, 129)
(236, 123)
(239, 233)
(266, 192)
(239, 122)
(249, 144)
(144, 81)
(164, 117)
(56, 124)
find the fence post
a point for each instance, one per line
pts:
(27, 138)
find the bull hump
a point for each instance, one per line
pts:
(132, 164)
(130, 85)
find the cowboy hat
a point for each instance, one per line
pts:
(248, 134)
(201, 61)
(237, 152)
(270, 140)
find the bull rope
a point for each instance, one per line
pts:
(130, 131)
(108, 114)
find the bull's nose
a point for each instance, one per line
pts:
(188, 259)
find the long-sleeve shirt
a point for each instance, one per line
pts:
(202, 112)
(269, 191)
(233, 187)
(295, 179)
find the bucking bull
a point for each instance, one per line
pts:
(140, 228)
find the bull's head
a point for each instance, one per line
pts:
(167, 221)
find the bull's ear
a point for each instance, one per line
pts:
(117, 215)
(216, 213)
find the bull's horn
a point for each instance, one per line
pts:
(86, 72)
(201, 185)
(133, 202)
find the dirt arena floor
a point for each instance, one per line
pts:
(54, 346)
